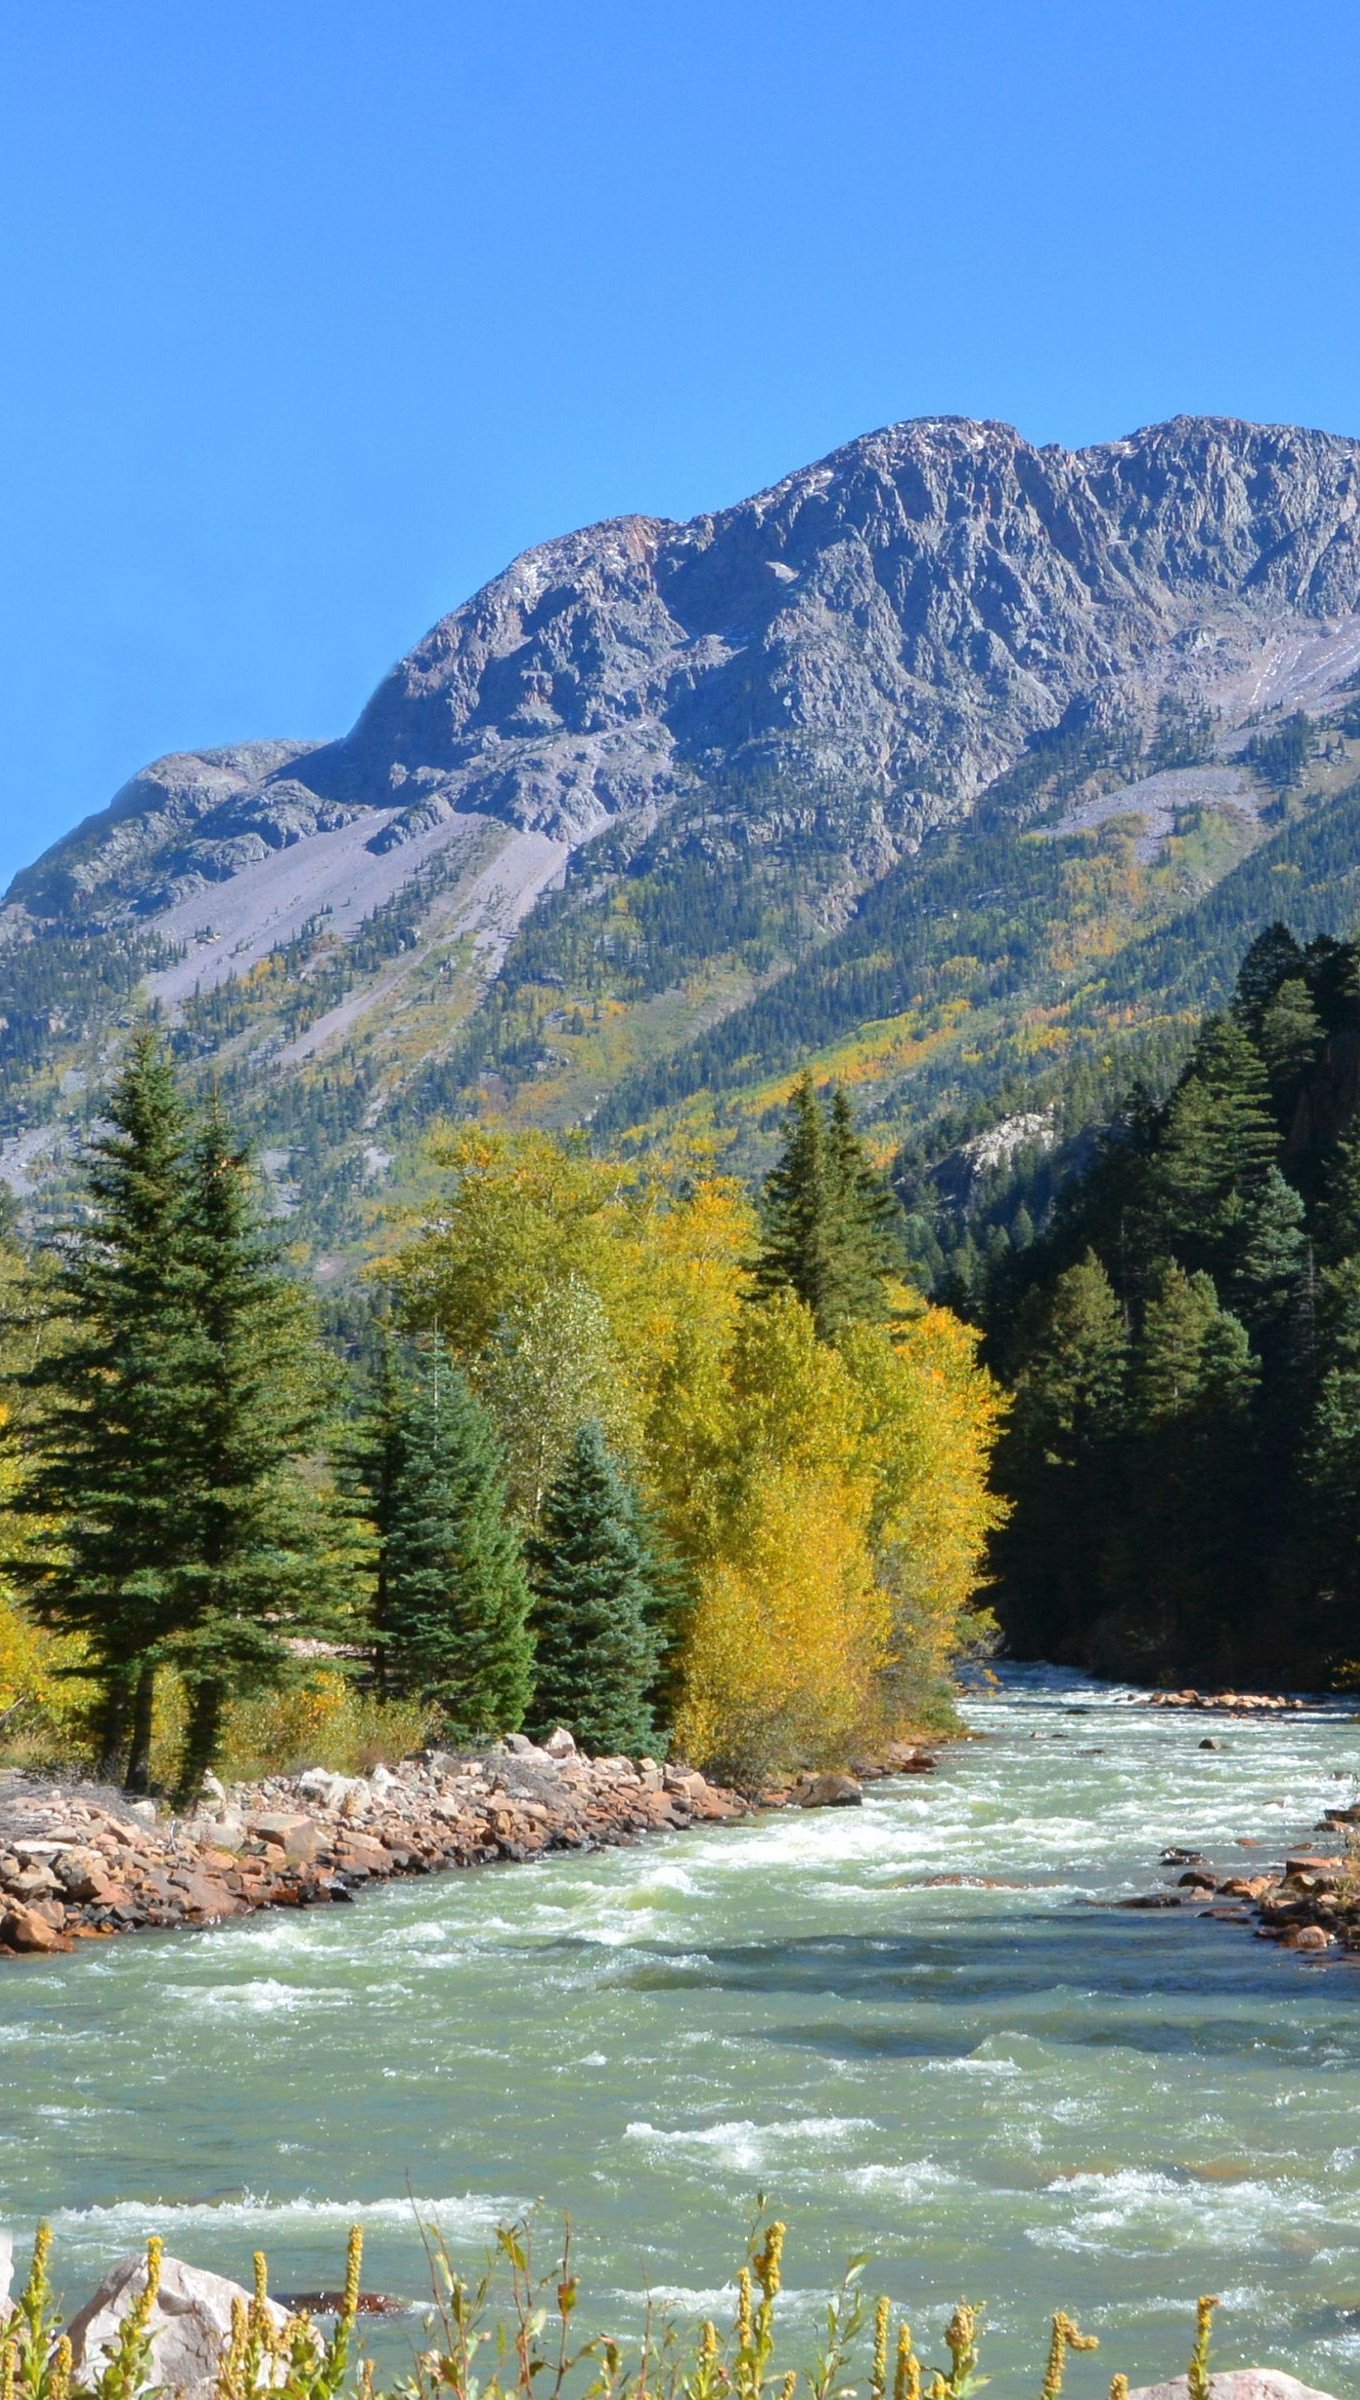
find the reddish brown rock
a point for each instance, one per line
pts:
(21, 1928)
(296, 1837)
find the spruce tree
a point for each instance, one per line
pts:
(1216, 1144)
(1191, 1460)
(831, 1230)
(452, 1607)
(1061, 1458)
(1337, 1230)
(106, 1464)
(1268, 1252)
(869, 1224)
(268, 1546)
(596, 1654)
(796, 1218)
(1331, 1457)
(1273, 958)
(1332, 969)
(669, 1607)
(1289, 1039)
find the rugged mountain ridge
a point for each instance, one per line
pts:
(816, 679)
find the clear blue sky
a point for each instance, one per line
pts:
(316, 311)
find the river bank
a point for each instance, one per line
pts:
(83, 1863)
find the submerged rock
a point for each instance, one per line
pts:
(829, 1791)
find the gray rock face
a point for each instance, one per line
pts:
(902, 615)
(905, 613)
(190, 2324)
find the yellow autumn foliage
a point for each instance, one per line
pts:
(932, 1416)
(831, 1504)
(790, 1629)
(522, 1214)
(40, 1692)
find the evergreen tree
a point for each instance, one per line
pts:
(868, 1245)
(267, 1536)
(1331, 1459)
(1289, 1038)
(1216, 1144)
(1269, 1251)
(1331, 969)
(1061, 1458)
(452, 1604)
(596, 1654)
(796, 1249)
(831, 1229)
(105, 1465)
(1273, 959)
(669, 1608)
(1191, 1464)
(1338, 1218)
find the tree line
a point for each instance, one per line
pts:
(1184, 1344)
(628, 1452)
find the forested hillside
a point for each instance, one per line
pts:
(1183, 1339)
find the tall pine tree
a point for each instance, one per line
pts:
(1217, 1143)
(107, 1456)
(1273, 958)
(1190, 1461)
(831, 1230)
(267, 1556)
(452, 1607)
(1338, 1219)
(596, 1652)
(1062, 1459)
(1331, 1457)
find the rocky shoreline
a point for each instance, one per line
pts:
(80, 1862)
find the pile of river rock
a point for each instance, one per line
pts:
(1227, 1704)
(1311, 1903)
(81, 1862)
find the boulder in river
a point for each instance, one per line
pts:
(828, 1791)
(190, 2323)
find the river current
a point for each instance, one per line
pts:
(999, 2090)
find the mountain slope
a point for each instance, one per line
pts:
(659, 807)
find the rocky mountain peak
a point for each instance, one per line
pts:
(899, 618)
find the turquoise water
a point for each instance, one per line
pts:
(1004, 2091)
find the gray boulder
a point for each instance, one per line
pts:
(190, 2324)
(1242, 2383)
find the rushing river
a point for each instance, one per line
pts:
(1000, 2090)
